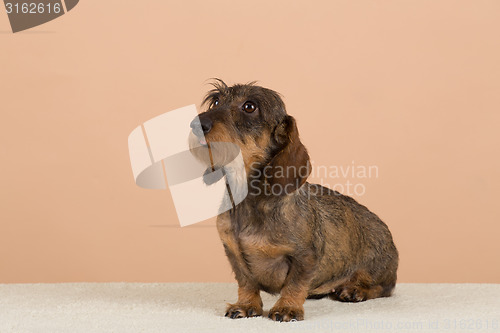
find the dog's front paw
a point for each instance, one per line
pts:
(286, 313)
(235, 311)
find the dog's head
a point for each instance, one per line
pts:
(255, 119)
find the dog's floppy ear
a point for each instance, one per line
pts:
(290, 166)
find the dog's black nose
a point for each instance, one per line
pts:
(201, 125)
(206, 124)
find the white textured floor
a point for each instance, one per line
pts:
(199, 307)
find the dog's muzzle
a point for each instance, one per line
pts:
(201, 125)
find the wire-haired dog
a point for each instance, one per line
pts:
(287, 236)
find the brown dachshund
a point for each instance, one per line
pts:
(288, 236)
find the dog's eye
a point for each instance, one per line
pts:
(215, 103)
(249, 107)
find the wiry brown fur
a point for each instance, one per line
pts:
(308, 242)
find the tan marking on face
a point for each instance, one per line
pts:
(254, 150)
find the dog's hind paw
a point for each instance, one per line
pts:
(349, 294)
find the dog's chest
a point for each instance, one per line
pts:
(267, 262)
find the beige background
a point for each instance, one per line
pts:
(410, 86)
